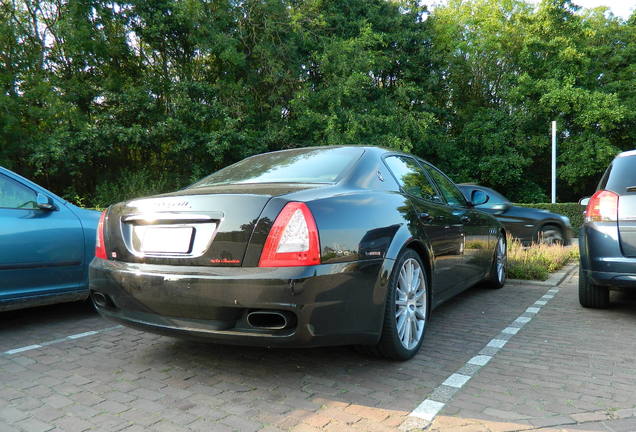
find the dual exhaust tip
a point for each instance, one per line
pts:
(270, 320)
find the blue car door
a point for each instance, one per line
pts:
(41, 250)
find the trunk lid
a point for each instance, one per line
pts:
(208, 226)
(620, 177)
(627, 224)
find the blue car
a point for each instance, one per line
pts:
(46, 244)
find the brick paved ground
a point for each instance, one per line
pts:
(27, 327)
(568, 369)
(566, 362)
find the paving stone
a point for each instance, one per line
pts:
(590, 416)
(34, 425)
(47, 414)
(58, 401)
(504, 415)
(72, 424)
(12, 415)
(205, 426)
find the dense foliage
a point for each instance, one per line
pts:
(103, 100)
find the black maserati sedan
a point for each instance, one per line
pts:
(529, 225)
(304, 247)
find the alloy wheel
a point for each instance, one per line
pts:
(410, 304)
(501, 260)
(551, 236)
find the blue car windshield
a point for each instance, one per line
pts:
(320, 165)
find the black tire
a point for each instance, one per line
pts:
(551, 235)
(494, 281)
(390, 345)
(590, 295)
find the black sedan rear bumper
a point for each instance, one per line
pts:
(612, 280)
(329, 304)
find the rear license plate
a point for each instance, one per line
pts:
(166, 240)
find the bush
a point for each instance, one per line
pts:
(131, 184)
(537, 261)
(572, 210)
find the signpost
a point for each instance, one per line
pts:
(554, 161)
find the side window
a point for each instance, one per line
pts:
(411, 177)
(450, 192)
(16, 196)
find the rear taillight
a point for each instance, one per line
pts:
(603, 207)
(100, 247)
(293, 239)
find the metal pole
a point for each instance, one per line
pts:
(554, 161)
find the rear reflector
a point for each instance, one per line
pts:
(293, 239)
(603, 207)
(100, 247)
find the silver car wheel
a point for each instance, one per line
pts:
(501, 260)
(410, 304)
(551, 236)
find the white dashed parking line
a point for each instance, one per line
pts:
(431, 406)
(55, 341)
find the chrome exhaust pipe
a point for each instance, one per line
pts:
(101, 300)
(267, 320)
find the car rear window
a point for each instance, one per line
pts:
(620, 175)
(320, 165)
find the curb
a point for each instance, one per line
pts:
(555, 279)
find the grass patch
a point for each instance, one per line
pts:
(537, 261)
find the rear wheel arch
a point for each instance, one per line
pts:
(402, 241)
(425, 256)
(389, 344)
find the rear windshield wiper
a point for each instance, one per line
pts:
(631, 188)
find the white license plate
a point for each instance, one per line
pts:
(166, 240)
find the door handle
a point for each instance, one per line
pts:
(464, 219)
(425, 217)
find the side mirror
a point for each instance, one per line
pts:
(584, 201)
(478, 197)
(43, 202)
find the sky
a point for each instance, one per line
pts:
(622, 8)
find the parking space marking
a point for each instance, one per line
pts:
(81, 335)
(522, 320)
(510, 330)
(496, 343)
(480, 360)
(430, 407)
(456, 380)
(56, 341)
(19, 350)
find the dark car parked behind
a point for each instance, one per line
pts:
(303, 247)
(529, 225)
(608, 237)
